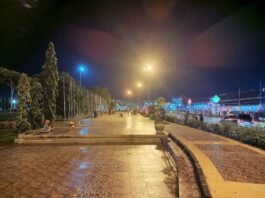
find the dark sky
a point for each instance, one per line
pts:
(197, 48)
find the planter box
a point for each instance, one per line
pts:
(159, 126)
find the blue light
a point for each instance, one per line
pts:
(81, 68)
(14, 101)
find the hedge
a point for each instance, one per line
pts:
(252, 136)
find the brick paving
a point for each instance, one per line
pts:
(113, 124)
(86, 171)
(191, 134)
(236, 163)
(233, 161)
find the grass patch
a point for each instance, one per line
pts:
(7, 136)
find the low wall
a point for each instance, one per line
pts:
(8, 125)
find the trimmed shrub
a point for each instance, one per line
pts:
(252, 136)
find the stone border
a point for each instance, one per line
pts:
(199, 176)
(95, 139)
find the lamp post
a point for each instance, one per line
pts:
(148, 69)
(81, 70)
(129, 92)
(139, 85)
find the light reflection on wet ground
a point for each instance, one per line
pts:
(113, 124)
(84, 131)
(86, 171)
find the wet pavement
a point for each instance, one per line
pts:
(89, 170)
(231, 169)
(108, 125)
(86, 171)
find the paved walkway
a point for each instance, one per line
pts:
(86, 171)
(90, 170)
(231, 169)
(111, 124)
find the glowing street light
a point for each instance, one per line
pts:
(148, 69)
(139, 85)
(81, 70)
(129, 92)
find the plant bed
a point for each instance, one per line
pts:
(251, 136)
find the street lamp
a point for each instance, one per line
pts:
(139, 85)
(129, 92)
(81, 69)
(14, 102)
(148, 69)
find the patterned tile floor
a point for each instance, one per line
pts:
(86, 171)
(236, 163)
(106, 124)
(233, 161)
(191, 134)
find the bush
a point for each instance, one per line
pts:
(23, 126)
(194, 123)
(169, 119)
(252, 136)
(214, 128)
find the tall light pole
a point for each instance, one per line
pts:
(148, 69)
(64, 112)
(81, 69)
(139, 85)
(239, 100)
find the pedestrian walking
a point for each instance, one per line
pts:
(201, 117)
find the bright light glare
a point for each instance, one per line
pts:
(139, 84)
(81, 68)
(129, 92)
(149, 67)
(14, 101)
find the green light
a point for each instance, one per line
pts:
(216, 99)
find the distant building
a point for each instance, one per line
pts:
(242, 101)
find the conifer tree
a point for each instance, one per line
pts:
(23, 92)
(50, 78)
(36, 114)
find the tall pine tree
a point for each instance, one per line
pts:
(50, 78)
(36, 115)
(23, 92)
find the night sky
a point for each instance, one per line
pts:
(198, 48)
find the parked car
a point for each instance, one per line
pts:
(259, 116)
(240, 119)
(229, 119)
(234, 112)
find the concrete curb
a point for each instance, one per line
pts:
(199, 176)
(91, 139)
